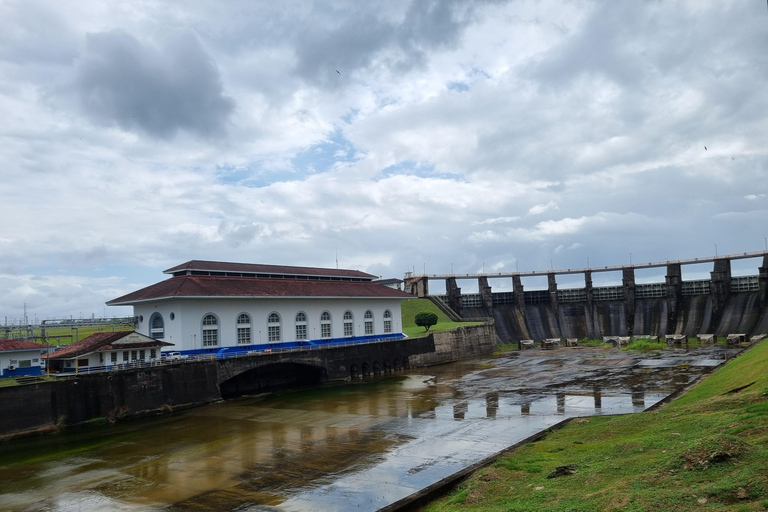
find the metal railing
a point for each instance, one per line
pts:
(153, 363)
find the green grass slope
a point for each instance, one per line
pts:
(706, 451)
(409, 308)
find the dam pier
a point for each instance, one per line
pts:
(720, 305)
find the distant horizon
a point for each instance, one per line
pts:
(539, 284)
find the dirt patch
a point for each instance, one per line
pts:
(713, 450)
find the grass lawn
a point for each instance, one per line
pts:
(706, 451)
(82, 332)
(409, 308)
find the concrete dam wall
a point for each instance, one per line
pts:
(742, 313)
(721, 305)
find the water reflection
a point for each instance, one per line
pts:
(358, 446)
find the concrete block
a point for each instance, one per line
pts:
(525, 344)
(624, 341)
(550, 344)
(571, 342)
(654, 339)
(613, 340)
(706, 339)
(676, 339)
(735, 339)
(758, 337)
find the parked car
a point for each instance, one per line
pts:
(173, 356)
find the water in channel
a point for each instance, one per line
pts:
(357, 446)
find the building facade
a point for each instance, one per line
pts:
(19, 358)
(106, 351)
(219, 307)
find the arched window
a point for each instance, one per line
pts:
(387, 322)
(301, 325)
(368, 322)
(325, 325)
(273, 327)
(157, 326)
(349, 324)
(244, 329)
(210, 331)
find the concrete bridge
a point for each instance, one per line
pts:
(264, 372)
(655, 308)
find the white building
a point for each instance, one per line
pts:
(106, 351)
(218, 307)
(19, 358)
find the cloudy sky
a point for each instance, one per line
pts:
(396, 135)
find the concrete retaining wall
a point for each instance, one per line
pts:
(460, 343)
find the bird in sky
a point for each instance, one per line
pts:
(338, 72)
(705, 148)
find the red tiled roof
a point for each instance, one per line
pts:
(101, 341)
(210, 286)
(223, 266)
(8, 345)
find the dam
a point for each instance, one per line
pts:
(721, 305)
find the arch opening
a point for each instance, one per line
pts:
(272, 377)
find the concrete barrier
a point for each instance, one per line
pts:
(571, 342)
(676, 339)
(525, 344)
(735, 339)
(706, 339)
(654, 339)
(758, 337)
(550, 343)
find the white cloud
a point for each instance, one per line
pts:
(541, 208)
(450, 136)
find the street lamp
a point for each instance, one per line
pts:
(630, 258)
(715, 250)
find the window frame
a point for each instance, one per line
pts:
(368, 322)
(326, 325)
(207, 329)
(244, 330)
(301, 321)
(274, 334)
(349, 324)
(160, 334)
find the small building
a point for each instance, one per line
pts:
(107, 351)
(393, 282)
(221, 308)
(19, 358)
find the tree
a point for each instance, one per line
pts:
(426, 319)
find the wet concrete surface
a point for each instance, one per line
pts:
(353, 447)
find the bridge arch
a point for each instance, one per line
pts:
(271, 377)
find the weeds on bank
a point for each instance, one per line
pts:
(645, 345)
(586, 342)
(707, 451)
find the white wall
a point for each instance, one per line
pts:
(185, 330)
(19, 355)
